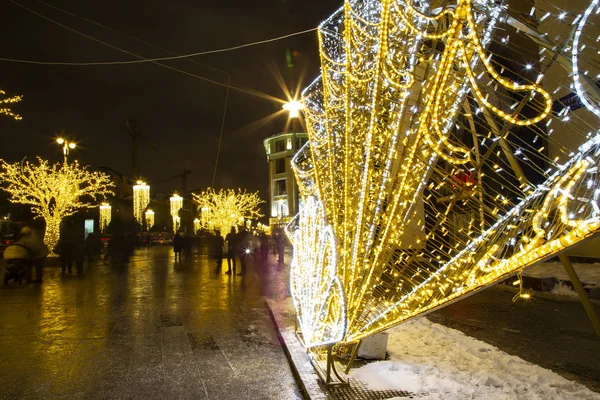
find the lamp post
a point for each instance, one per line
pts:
(293, 107)
(66, 146)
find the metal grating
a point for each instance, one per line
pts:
(358, 391)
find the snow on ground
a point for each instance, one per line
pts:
(437, 362)
(589, 274)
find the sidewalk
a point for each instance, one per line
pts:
(498, 358)
(153, 329)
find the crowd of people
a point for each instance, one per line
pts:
(28, 253)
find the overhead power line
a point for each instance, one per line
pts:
(141, 59)
(108, 28)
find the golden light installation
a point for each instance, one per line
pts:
(141, 199)
(176, 205)
(54, 191)
(428, 174)
(149, 219)
(105, 216)
(9, 100)
(225, 209)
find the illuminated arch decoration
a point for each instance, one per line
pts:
(428, 169)
(316, 289)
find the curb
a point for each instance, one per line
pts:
(286, 351)
(545, 285)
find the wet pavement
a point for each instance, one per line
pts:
(153, 329)
(551, 332)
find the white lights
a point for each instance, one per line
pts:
(577, 79)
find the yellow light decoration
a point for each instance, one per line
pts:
(225, 209)
(426, 176)
(141, 199)
(9, 100)
(54, 191)
(176, 205)
(149, 219)
(105, 216)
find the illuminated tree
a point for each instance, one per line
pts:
(227, 208)
(9, 100)
(54, 191)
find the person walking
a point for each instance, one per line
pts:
(242, 248)
(280, 245)
(90, 243)
(32, 240)
(217, 248)
(177, 246)
(231, 243)
(264, 246)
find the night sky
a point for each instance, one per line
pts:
(179, 116)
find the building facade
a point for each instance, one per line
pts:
(283, 191)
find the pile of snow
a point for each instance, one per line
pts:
(589, 274)
(436, 362)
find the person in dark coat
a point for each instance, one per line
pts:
(90, 246)
(280, 245)
(264, 246)
(217, 248)
(242, 248)
(177, 246)
(231, 240)
(32, 240)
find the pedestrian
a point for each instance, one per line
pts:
(32, 240)
(242, 248)
(217, 248)
(231, 243)
(90, 244)
(264, 246)
(187, 246)
(177, 246)
(280, 245)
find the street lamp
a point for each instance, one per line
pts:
(293, 107)
(66, 146)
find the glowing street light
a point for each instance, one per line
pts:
(293, 107)
(141, 199)
(105, 216)
(176, 205)
(149, 219)
(66, 146)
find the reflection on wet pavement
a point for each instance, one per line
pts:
(152, 329)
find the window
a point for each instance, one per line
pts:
(279, 146)
(301, 142)
(280, 187)
(289, 144)
(280, 166)
(280, 209)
